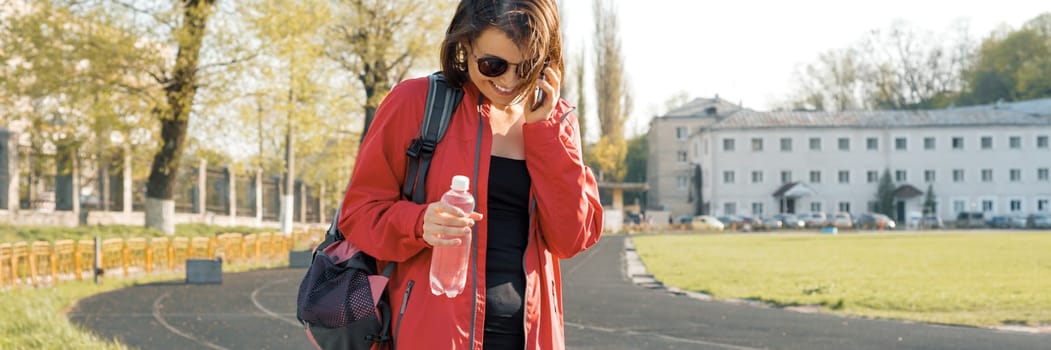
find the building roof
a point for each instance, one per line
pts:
(699, 107)
(1025, 113)
(793, 190)
(907, 191)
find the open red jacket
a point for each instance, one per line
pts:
(565, 220)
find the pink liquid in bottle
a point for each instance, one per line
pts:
(449, 263)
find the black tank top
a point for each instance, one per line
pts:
(508, 221)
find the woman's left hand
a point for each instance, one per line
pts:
(550, 83)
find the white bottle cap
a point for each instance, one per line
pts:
(461, 183)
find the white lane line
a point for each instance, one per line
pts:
(160, 318)
(268, 312)
(663, 336)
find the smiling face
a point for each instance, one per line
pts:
(508, 88)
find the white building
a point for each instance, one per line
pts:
(992, 158)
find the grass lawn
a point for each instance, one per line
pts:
(980, 279)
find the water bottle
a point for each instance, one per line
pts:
(449, 263)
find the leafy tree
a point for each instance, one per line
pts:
(614, 103)
(294, 31)
(885, 194)
(635, 162)
(1012, 66)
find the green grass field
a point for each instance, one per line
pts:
(980, 279)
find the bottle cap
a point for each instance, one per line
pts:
(461, 183)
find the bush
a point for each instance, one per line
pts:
(54, 233)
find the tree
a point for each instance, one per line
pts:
(897, 68)
(928, 202)
(614, 105)
(635, 162)
(885, 195)
(180, 88)
(294, 31)
(379, 41)
(1012, 66)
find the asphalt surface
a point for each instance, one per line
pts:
(603, 310)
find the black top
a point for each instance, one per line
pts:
(508, 220)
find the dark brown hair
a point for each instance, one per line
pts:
(533, 25)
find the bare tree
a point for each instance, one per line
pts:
(380, 41)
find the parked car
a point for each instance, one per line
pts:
(1040, 221)
(970, 220)
(816, 219)
(872, 221)
(749, 223)
(731, 222)
(1006, 221)
(791, 221)
(931, 221)
(706, 223)
(772, 223)
(842, 220)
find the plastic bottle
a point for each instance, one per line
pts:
(449, 263)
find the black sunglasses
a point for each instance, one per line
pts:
(495, 66)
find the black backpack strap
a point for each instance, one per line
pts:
(442, 101)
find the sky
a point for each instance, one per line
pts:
(746, 51)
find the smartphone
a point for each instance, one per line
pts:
(538, 96)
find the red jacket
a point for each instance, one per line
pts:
(566, 220)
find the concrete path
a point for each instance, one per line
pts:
(604, 310)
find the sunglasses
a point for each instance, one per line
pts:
(495, 66)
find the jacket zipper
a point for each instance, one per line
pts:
(401, 313)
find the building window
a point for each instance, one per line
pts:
(730, 208)
(786, 176)
(844, 207)
(872, 176)
(682, 156)
(815, 176)
(1042, 205)
(786, 145)
(844, 144)
(681, 133)
(728, 145)
(987, 175)
(757, 177)
(1016, 175)
(682, 182)
(957, 175)
(1015, 142)
(757, 209)
(958, 206)
(1041, 141)
(957, 142)
(1041, 174)
(871, 144)
(815, 207)
(928, 143)
(987, 205)
(987, 142)
(928, 176)
(728, 177)
(815, 144)
(844, 176)
(900, 176)
(901, 144)
(1016, 205)
(757, 145)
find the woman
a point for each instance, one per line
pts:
(539, 202)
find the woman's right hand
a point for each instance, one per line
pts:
(444, 224)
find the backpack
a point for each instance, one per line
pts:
(342, 299)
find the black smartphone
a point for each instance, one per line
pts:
(538, 96)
